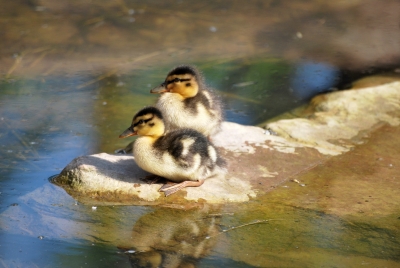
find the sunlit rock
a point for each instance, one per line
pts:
(340, 116)
(253, 157)
(259, 160)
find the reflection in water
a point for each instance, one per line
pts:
(97, 73)
(46, 127)
(40, 134)
(253, 90)
(170, 237)
(311, 78)
(38, 123)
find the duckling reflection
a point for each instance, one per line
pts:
(183, 156)
(173, 238)
(186, 102)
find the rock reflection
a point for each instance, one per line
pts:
(169, 237)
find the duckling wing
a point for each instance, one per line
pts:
(208, 100)
(187, 147)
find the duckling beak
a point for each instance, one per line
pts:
(127, 133)
(160, 89)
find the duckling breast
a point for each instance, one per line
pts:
(145, 156)
(158, 162)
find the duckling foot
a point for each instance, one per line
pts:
(172, 187)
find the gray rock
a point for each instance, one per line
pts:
(258, 161)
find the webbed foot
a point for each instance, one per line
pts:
(172, 187)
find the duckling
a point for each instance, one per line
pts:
(187, 103)
(183, 156)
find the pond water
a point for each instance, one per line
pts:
(64, 97)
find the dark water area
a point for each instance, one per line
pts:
(73, 73)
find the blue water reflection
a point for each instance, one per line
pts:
(311, 78)
(48, 121)
(41, 133)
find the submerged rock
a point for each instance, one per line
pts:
(258, 161)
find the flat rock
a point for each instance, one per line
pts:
(341, 116)
(258, 159)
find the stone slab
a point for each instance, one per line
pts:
(258, 160)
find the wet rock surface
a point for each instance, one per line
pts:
(258, 161)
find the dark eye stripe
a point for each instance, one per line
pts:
(175, 80)
(143, 121)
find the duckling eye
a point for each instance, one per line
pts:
(176, 80)
(140, 122)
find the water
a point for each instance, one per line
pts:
(73, 95)
(47, 122)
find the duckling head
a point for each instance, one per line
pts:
(147, 122)
(183, 80)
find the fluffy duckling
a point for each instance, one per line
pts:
(183, 156)
(186, 102)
